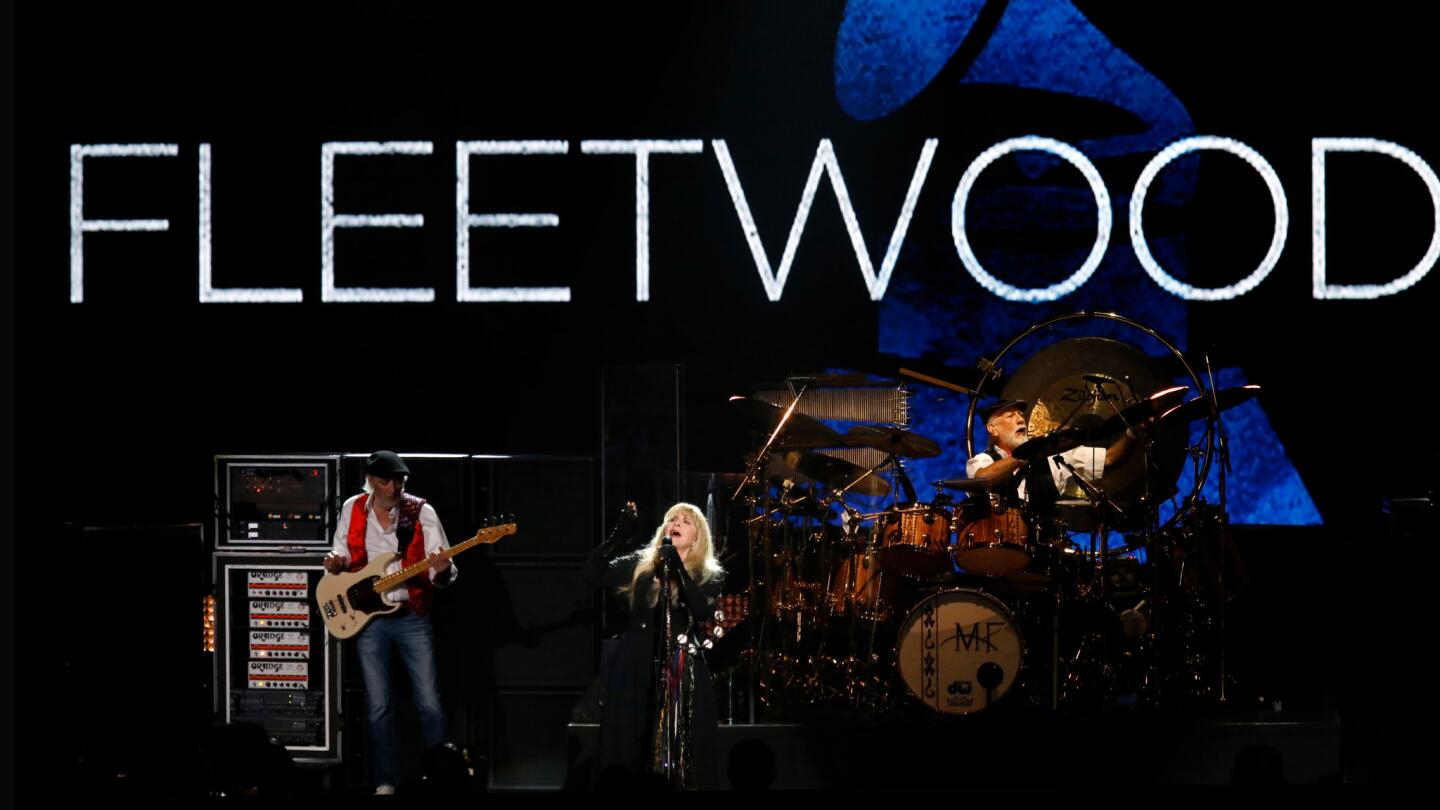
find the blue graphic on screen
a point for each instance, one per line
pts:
(1263, 486)
(890, 52)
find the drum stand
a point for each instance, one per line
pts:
(1223, 473)
(756, 474)
(1098, 589)
(1149, 535)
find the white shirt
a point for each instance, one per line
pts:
(380, 540)
(1088, 461)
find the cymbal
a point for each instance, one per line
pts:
(1056, 441)
(1199, 407)
(800, 432)
(1142, 411)
(835, 473)
(894, 441)
(965, 484)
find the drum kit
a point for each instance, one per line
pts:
(980, 596)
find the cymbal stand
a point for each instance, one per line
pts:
(1150, 534)
(1223, 444)
(756, 475)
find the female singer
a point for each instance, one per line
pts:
(659, 714)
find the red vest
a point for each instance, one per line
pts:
(420, 588)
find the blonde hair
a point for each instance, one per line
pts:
(701, 565)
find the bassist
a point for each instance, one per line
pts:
(385, 518)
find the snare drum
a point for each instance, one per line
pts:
(915, 539)
(959, 651)
(993, 538)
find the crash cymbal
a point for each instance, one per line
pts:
(1199, 407)
(835, 473)
(895, 441)
(801, 432)
(1142, 411)
(1056, 441)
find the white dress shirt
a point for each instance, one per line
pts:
(1088, 461)
(379, 540)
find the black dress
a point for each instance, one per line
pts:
(629, 718)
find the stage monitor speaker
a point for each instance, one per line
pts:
(543, 621)
(551, 497)
(528, 738)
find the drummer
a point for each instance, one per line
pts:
(1006, 424)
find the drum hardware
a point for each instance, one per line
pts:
(1087, 387)
(866, 484)
(801, 430)
(964, 484)
(1097, 495)
(1102, 607)
(903, 480)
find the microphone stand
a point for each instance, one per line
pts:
(663, 756)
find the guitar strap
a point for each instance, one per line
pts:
(405, 527)
(407, 530)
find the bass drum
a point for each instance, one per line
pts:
(959, 651)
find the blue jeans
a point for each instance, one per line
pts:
(411, 636)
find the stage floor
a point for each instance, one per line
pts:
(1010, 752)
